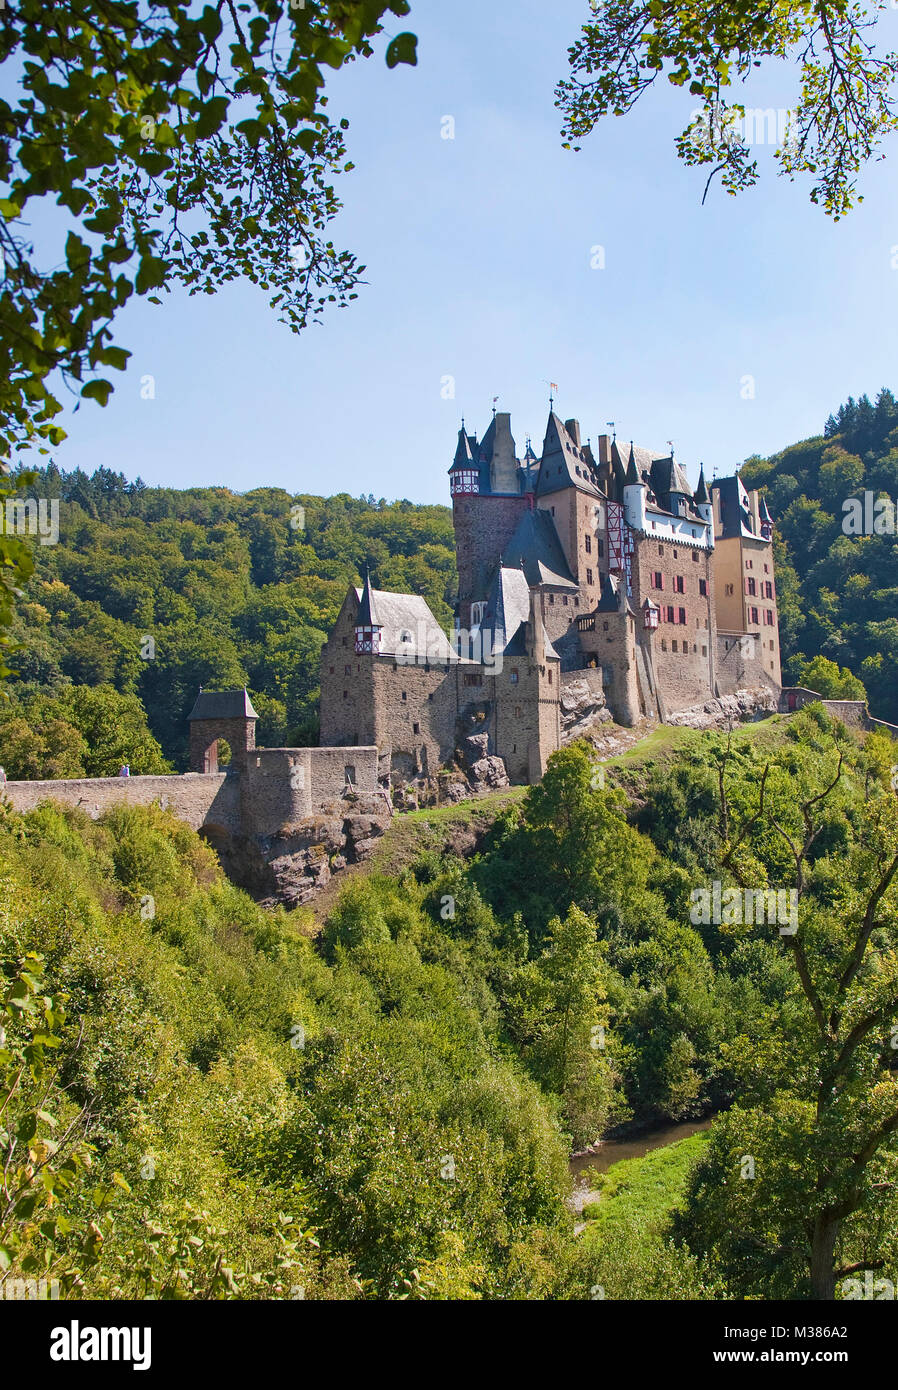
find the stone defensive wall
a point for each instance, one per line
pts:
(275, 787)
(195, 797)
(851, 712)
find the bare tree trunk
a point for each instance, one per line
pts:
(823, 1249)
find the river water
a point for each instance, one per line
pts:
(615, 1150)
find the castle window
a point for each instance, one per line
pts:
(768, 617)
(670, 614)
(754, 615)
(332, 670)
(517, 711)
(703, 587)
(564, 599)
(660, 547)
(416, 728)
(550, 676)
(345, 694)
(349, 773)
(405, 694)
(750, 587)
(514, 678)
(682, 617)
(589, 545)
(673, 645)
(695, 556)
(344, 641)
(576, 602)
(729, 589)
(657, 580)
(675, 554)
(664, 644)
(604, 627)
(589, 576)
(551, 598)
(679, 583)
(471, 680)
(704, 651)
(685, 648)
(749, 564)
(766, 569)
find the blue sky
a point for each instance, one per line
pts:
(478, 254)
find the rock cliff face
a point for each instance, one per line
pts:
(582, 708)
(745, 705)
(289, 868)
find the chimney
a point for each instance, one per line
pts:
(573, 429)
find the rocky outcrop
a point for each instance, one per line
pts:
(582, 706)
(291, 867)
(744, 706)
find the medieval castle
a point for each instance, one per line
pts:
(598, 565)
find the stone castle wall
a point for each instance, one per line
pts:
(278, 787)
(195, 797)
(484, 525)
(684, 677)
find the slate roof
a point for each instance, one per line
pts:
(367, 614)
(735, 517)
(563, 463)
(409, 613)
(223, 704)
(667, 476)
(535, 542)
(507, 611)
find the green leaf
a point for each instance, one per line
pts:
(403, 49)
(98, 390)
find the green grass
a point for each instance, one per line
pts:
(647, 1188)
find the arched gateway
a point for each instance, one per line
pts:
(226, 714)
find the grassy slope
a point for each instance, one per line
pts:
(647, 1188)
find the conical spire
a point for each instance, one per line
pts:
(763, 512)
(463, 455)
(633, 478)
(367, 614)
(701, 492)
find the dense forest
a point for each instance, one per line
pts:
(838, 592)
(152, 592)
(202, 1098)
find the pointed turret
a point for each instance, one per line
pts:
(367, 627)
(634, 494)
(765, 518)
(464, 471)
(701, 492)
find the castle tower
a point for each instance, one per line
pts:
(485, 482)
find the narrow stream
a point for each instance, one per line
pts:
(615, 1150)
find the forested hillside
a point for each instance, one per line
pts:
(199, 1100)
(152, 592)
(838, 593)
